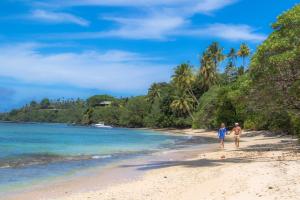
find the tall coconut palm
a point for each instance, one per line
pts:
(183, 103)
(244, 52)
(232, 55)
(184, 79)
(208, 71)
(216, 53)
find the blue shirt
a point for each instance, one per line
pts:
(222, 132)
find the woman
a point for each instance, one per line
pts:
(221, 134)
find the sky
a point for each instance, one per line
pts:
(78, 48)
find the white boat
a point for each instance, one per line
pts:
(101, 125)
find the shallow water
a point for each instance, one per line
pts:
(33, 152)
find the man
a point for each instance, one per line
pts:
(237, 131)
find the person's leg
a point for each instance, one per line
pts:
(222, 143)
(235, 141)
(238, 142)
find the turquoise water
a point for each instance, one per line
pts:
(31, 152)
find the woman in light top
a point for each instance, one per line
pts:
(221, 134)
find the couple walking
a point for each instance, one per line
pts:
(237, 131)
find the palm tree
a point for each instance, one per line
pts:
(208, 72)
(209, 65)
(184, 78)
(183, 103)
(244, 52)
(216, 53)
(154, 92)
(232, 55)
(230, 69)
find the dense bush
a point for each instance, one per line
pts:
(206, 114)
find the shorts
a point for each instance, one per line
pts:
(222, 137)
(236, 136)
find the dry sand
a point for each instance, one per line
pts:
(264, 167)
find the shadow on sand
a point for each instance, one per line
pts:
(250, 152)
(188, 163)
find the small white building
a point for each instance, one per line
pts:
(104, 103)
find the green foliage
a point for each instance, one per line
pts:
(231, 73)
(275, 73)
(244, 52)
(226, 111)
(183, 81)
(154, 118)
(253, 123)
(209, 64)
(295, 124)
(206, 115)
(279, 121)
(154, 92)
(47, 111)
(109, 115)
(134, 112)
(224, 104)
(87, 117)
(45, 103)
(34, 104)
(182, 104)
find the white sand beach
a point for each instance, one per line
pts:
(265, 167)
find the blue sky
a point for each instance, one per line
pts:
(77, 48)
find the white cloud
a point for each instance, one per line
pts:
(232, 32)
(152, 27)
(156, 28)
(207, 6)
(162, 20)
(193, 5)
(111, 70)
(57, 17)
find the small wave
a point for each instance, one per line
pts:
(36, 159)
(4, 166)
(29, 159)
(101, 157)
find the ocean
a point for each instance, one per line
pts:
(33, 152)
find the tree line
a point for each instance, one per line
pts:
(261, 94)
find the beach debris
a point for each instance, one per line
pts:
(223, 157)
(165, 177)
(270, 187)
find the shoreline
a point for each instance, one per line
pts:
(109, 174)
(190, 173)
